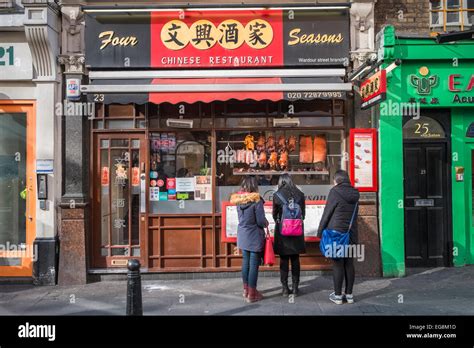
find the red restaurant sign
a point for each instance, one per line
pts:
(374, 89)
(218, 38)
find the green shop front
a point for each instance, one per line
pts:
(426, 153)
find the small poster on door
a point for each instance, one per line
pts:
(105, 176)
(135, 176)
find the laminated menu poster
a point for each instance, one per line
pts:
(314, 212)
(363, 159)
(202, 188)
(185, 184)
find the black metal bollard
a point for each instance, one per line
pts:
(134, 288)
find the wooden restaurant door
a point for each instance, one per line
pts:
(119, 199)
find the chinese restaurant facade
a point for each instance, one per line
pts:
(427, 119)
(187, 103)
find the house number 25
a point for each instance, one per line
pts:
(422, 126)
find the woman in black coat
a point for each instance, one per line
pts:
(288, 247)
(341, 206)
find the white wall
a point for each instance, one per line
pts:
(44, 94)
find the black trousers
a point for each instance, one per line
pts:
(343, 269)
(285, 267)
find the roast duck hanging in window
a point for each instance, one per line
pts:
(273, 153)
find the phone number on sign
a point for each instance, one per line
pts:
(313, 95)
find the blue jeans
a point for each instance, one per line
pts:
(250, 263)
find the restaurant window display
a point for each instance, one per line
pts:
(165, 186)
(310, 151)
(180, 172)
(251, 139)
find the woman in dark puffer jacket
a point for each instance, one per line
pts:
(340, 206)
(250, 234)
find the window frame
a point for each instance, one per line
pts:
(462, 10)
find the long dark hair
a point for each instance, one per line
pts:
(285, 181)
(249, 184)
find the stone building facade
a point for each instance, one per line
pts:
(407, 16)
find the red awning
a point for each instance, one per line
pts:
(206, 97)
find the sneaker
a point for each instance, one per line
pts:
(349, 298)
(337, 299)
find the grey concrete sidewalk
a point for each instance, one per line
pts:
(439, 291)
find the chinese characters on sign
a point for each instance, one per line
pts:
(373, 90)
(203, 34)
(232, 34)
(218, 38)
(431, 88)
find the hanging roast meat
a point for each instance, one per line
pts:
(261, 143)
(292, 143)
(248, 141)
(320, 149)
(262, 159)
(273, 160)
(271, 144)
(306, 149)
(281, 143)
(283, 161)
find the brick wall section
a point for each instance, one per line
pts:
(416, 17)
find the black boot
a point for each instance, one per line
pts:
(284, 283)
(296, 283)
(285, 289)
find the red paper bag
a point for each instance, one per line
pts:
(269, 255)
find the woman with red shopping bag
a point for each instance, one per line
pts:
(250, 234)
(269, 254)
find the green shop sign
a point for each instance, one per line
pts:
(438, 86)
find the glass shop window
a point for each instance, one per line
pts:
(197, 115)
(180, 172)
(311, 157)
(243, 114)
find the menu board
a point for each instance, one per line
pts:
(230, 220)
(363, 168)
